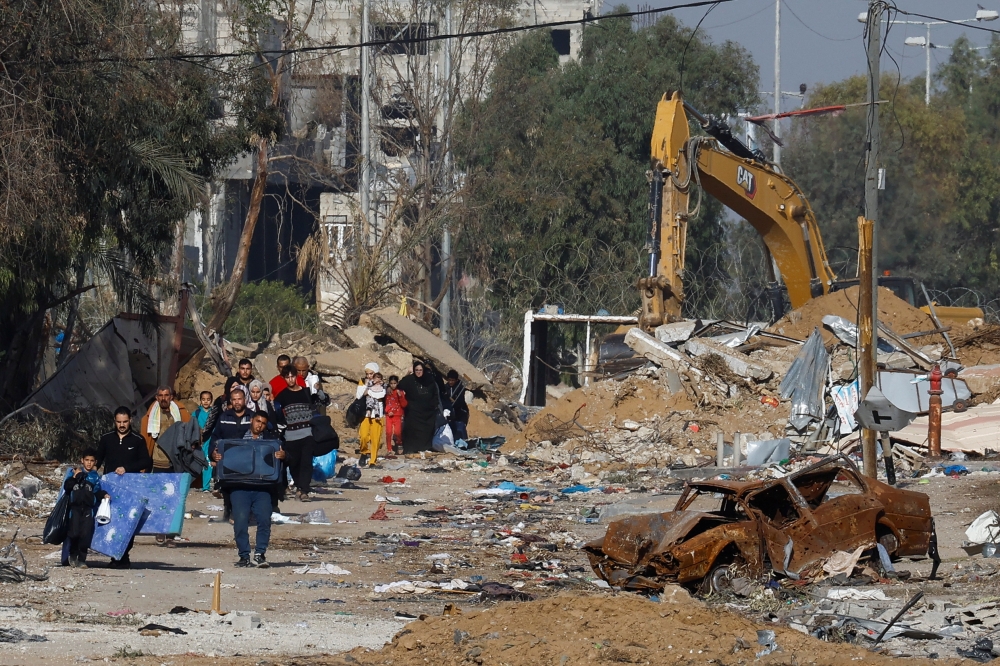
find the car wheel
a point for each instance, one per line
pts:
(889, 542)
(717, 580)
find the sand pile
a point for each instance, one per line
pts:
(574, 629)
(899, 315)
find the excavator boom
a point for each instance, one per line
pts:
(770, 201)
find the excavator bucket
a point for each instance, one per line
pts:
(670, 131)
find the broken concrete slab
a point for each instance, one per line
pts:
(678, 331)
(656, 351)
(350, 363)
(666, 356)
(981, 378)
(398, 357)
(738, 363)
(423, 344)
(361, 336)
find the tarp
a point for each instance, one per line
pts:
(121, 365)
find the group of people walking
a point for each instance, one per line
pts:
(409, 411)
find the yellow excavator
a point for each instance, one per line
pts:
(744, 181)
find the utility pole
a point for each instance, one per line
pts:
(777, 78)
(446, 237)
(868, 229)
(927, 73)
(365, 183)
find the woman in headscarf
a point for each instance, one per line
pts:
(370, 429)
(423, 404)
(256, 402)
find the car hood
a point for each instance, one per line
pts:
(635, 539)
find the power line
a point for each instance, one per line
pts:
(815, 32)
(974, 26)
(186, 57)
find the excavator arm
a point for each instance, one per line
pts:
(739, 178)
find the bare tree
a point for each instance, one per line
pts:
(263, 32)
(419, 88)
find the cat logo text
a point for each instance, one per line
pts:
(747, 181)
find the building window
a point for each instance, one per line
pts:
(338, 236)
(560, 42)
(404, 37)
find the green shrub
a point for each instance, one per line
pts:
(265, 308)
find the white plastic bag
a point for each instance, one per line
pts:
(443, 437)
(103, 516)
(984, 529)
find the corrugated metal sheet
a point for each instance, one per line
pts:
(974, 430)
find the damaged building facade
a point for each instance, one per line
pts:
(316, 187)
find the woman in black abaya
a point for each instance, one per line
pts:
(423, 405)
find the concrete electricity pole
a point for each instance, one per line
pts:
(446, 236)
(868, 229)
(777, 78)
(365, 181)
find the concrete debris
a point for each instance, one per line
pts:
(423, 344)
(362, 337)
(656, 351)
(676, 332)
(982, 378)
(738, 363)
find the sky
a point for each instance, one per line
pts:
(821, 40)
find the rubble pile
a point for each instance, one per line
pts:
(750, 383)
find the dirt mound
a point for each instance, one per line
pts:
(481, 425)
(900, 316)
(574, 629)
(977, 345)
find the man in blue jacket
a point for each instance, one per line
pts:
(232, 423)
(249, 498)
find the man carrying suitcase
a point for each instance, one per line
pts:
(250, 498)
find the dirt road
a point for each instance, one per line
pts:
(96, 613)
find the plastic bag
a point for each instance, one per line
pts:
(103, 516)
(316, 516)
(349, 472)
(324, 466)
(356, 412)
(443, 437)
(805, 382)
(57, 525)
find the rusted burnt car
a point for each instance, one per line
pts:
(789, 525)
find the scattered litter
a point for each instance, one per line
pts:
(766, 638)
(18, 636)
(984, 529)
(420, 587)
(982, 651)
(842, 562)
(315, 517)
(380, 513)
(854, 594)
(156, 629)
(210, 571)
(324, 568)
